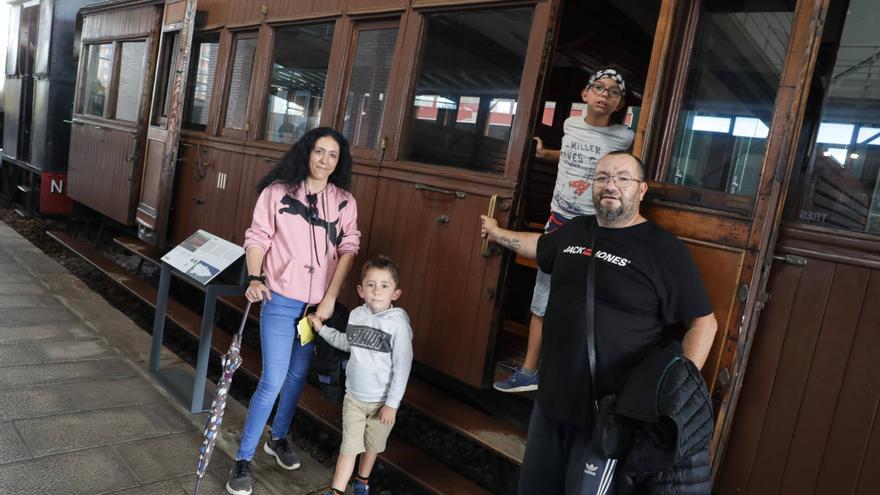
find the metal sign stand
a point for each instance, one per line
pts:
(212, 292)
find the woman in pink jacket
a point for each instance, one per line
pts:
(300, 247)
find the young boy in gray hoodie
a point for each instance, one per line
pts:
(379, 338)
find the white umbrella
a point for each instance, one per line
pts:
(230, 362)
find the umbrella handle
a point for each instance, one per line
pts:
(244, 317)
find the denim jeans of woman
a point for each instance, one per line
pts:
(285, 369)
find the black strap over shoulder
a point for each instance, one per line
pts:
(613, 436)
(591, 315)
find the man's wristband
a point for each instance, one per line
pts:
(259, 278)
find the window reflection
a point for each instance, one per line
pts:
(131, 76)
(729, 96)
(240, 85)
(368, 86)
(299, 73)
(840, 187)
(165, 78)
(468, 107)
(465, 99)
(27, 40)
(99, 68)
(843, 191)
(202, 82)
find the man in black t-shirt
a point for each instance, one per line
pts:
(645, 280)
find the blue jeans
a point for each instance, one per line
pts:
(285, 369)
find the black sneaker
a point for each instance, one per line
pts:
(240, 481)
(283, 453)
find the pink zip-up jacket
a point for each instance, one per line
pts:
(295, 264)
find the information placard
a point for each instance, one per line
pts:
(202, 256)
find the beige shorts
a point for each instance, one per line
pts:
(361, 429)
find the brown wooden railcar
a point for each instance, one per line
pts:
(737, 105)
(119, 48)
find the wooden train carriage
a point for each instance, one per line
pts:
(440, 131)
(259, 77)
(40, 77)
(119, 45)
(440, 100)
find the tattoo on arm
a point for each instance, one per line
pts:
(509, 243)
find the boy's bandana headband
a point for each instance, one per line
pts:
(610, 74)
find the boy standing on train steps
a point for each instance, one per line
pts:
(587, 139)
(379, 338)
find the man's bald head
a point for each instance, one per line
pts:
(627, 156)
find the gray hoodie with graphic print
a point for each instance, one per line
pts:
(381, 354)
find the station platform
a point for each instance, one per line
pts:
(79, 413)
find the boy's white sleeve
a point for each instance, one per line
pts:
(401, 362)
(335, 338)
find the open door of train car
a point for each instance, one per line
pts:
(166, 114)
(468, 81)
(721, 137)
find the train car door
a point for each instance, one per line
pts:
(724, 132)
(20, 64)
(163, 132)
(467, 83)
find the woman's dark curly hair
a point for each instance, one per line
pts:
(294, 165)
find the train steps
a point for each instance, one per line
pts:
(480, 428)
(428, 473)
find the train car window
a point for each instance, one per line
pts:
(240, 83)
(466, 88)
(839, 186)
(28, 38)
(549, 113)
(165, 78)
(201, 81)
(12, 40)
(296, 87)
(728, 100)
(368, 86)
(98, 71)
(131, 77)
(578, 109)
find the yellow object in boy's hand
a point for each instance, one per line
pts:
(304, 327)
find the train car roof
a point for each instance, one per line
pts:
(116, 4)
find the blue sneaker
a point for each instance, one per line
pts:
(518, 382)
(360, 487)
